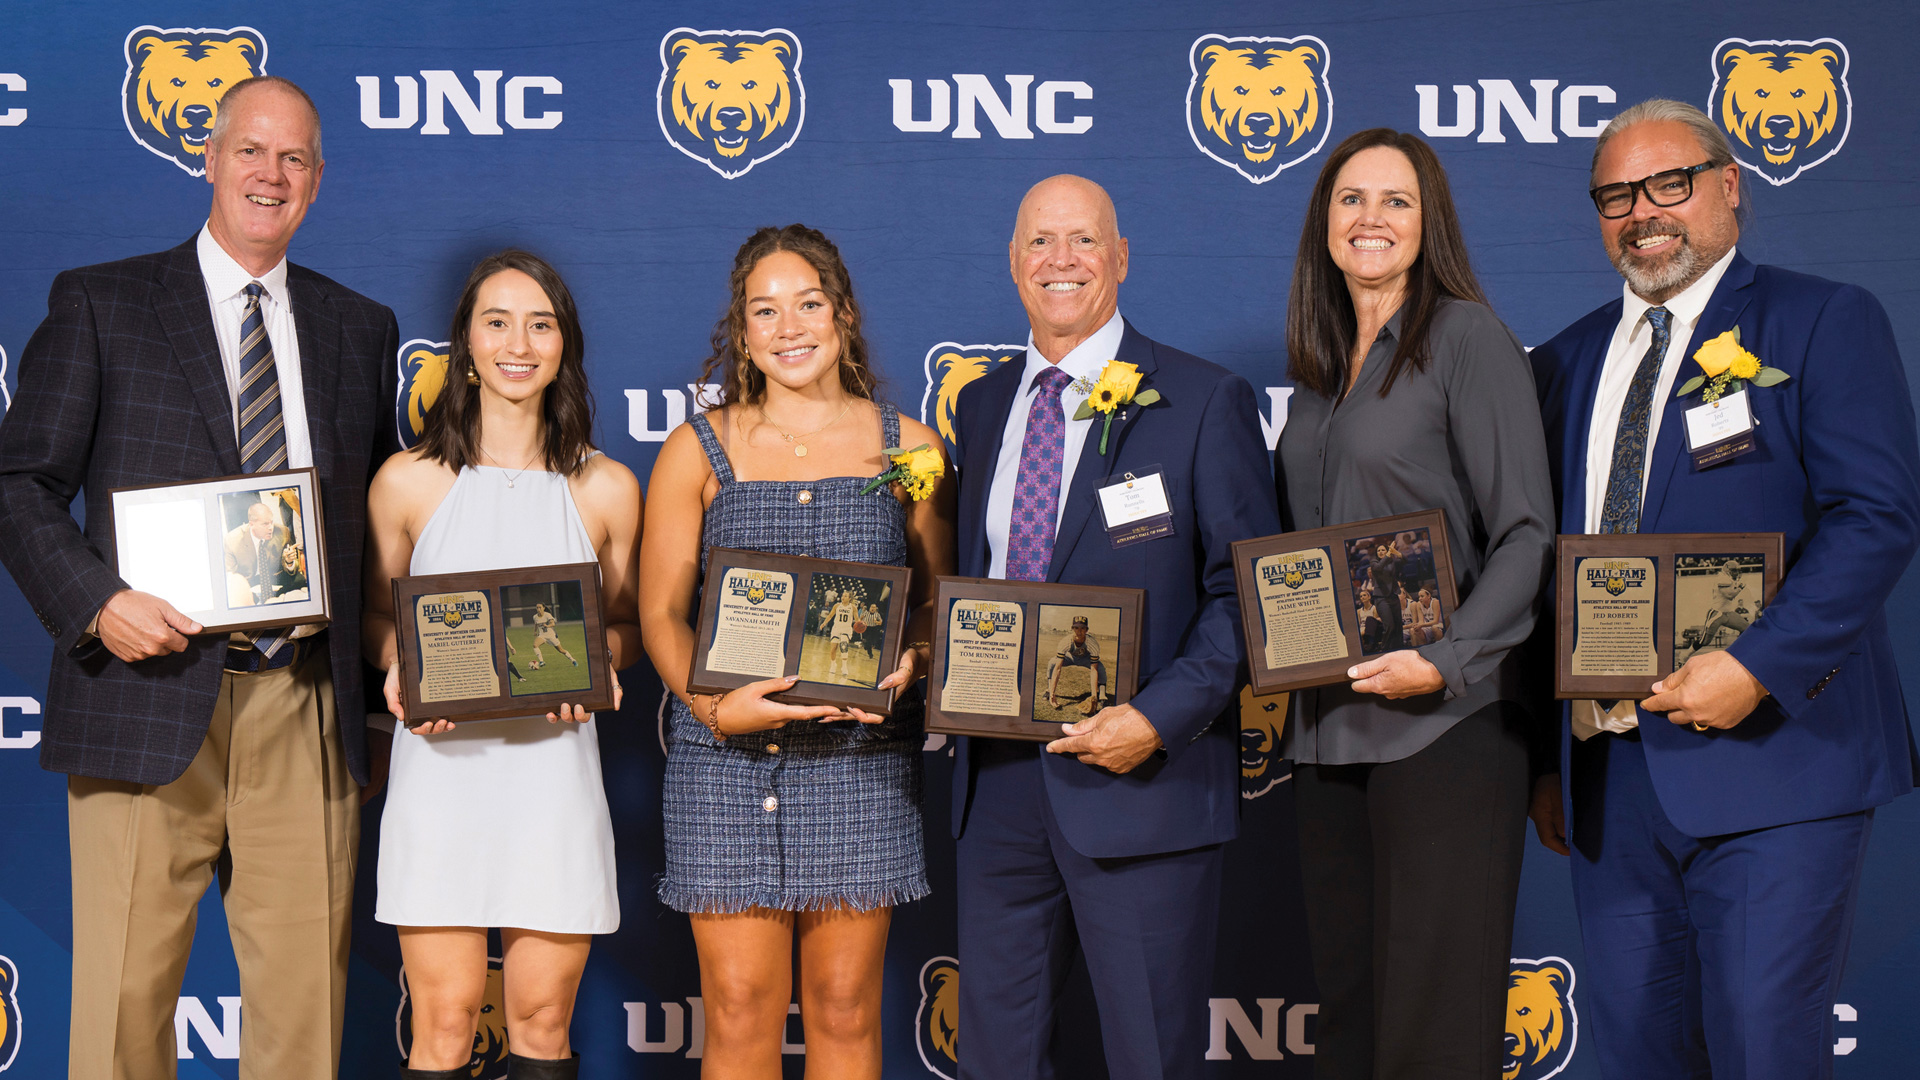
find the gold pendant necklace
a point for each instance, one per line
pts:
(510, 476)
(800, 448)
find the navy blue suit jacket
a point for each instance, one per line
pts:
(123, 385)
(1204, 433)
(1837, 471)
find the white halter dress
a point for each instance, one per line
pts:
(499, 822)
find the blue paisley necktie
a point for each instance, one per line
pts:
(263, 430)
(1036, 489)
(1621, 512)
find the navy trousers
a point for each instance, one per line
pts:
(1028, 901)
(1711, 956)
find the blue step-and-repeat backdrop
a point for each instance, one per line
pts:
(908, 132)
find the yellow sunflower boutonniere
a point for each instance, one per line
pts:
(917, 470)
(1724, 362)
(1119, 385)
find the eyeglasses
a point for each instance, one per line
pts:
(1669, 188)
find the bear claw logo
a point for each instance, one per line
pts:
(175, 80)
(1259, 105)
(489, 1060)
(423, 373)
(937, 1024)
(731, 98)
(9, 1013)
(1541, 1022)
(1785, 103)
(950, 367)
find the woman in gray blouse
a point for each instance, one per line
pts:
(1411, 782)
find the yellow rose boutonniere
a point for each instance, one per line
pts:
(1725, 362)
(918, 470)
(1119, 385)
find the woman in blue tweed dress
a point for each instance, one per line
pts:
(783, 820)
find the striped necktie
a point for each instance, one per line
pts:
(263, 429)
(1627, 479)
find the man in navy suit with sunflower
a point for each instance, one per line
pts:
(1106, 841)
(1717, 828)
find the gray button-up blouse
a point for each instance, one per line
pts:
(1463, 436)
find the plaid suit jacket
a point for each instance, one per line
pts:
(122, 385)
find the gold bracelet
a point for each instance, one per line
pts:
(712, 719)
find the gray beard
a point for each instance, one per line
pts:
(1661, 283)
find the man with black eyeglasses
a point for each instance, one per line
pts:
(1717, 828)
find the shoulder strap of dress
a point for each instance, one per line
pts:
(890, 425)
(716, 456)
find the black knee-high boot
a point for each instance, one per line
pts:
(526, 1068)
(432, 1074)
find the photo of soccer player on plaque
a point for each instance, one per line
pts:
(1077, 650)
(1715, 598)
(1396, 595)
(265, 545)
(548, 621)
(842, 611)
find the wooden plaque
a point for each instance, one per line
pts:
(765, 616)
(999, 647)
(491, 644)
(1631, 607)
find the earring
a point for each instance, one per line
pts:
(473, 377)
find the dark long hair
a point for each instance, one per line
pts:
(1321, 323)
(452, 429)
(739, 380)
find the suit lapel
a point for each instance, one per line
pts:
(1582, 388)
(1722, 311)
(1094, 466)
(187, 316)
(318, 329)
(998, 389)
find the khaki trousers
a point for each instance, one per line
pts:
(268, 802)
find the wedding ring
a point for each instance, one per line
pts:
(1698, 726)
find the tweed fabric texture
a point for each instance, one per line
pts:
(809, 816)
(1625, 480)
(1036, 489)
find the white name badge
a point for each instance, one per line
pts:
(1720, 430)
(1135, 508)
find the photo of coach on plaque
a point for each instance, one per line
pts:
(842, 612)
(1076, 649)
(1715, 598)
(265, 547)
(1396, 598)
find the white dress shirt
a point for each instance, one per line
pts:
(227, 282)
(1631, 339)
(1083, 365)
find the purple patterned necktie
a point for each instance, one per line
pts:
(1036, 491)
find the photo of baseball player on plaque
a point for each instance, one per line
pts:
(1016, 659)
(1633, 607)
(1314, 603)
(498, 643)
(838, 625)
(241, 552)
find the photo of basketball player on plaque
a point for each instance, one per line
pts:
(1632, 607)
(838, 625)
(1015, 659)
(241, 552)
(1314, 603)
(499, 643)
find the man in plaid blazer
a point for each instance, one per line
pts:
(186, 751)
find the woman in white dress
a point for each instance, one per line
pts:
(501, 823)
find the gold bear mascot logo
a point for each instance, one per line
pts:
(1785, 103)
(1541, 1022)
(423, 374)
(1262, 718)
(731, 98)
(937, 1024)
(489, 1060)
(1259, 105)
(950, 367)
(175, 80)
(9, 1012)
